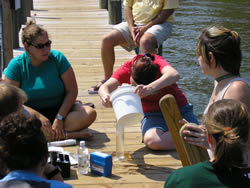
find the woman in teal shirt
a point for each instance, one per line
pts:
(49, 82)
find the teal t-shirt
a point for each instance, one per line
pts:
(203, 175)
(43, 85)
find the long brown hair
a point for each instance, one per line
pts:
(225, 46)
(228, 122)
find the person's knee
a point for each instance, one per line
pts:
(92, 115)
(110, 39)
(148, 44)
(151, 143)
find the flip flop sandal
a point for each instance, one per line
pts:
(94, 89)
(89, 104)
(86, 104)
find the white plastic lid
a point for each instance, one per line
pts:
(125, 88)
(82, 143)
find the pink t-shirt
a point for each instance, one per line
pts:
(151, 103)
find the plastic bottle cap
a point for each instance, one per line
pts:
(82, 143)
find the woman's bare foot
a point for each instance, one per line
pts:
(81, 134)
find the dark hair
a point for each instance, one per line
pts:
(228, 122)
(225, 46)
(144, 70)
(22, 143)
(31, 32)
(10, 99)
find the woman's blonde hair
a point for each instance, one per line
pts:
(225, 46)
(31, 32)
(228, 122)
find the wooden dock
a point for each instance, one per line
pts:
(76, 28)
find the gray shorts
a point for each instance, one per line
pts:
(160, 31)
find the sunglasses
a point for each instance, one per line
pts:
(41, 46)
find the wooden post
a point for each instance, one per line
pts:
(16, 24)
(115, 11)
(103, 4)
(24, 11)
(16, 21)
(29, 4)
(7, 32)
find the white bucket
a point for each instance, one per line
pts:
(127, 105)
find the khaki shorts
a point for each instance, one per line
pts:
(160, 31)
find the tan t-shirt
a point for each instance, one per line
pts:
(145, 10)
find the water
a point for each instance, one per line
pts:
(179, 49)
(119, 142)
(83, 162)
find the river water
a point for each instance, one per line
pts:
(179, 49)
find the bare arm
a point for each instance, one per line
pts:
(71, 92)
(161, 17)
(105, 90)
(130, 20)
(129, 16)
(169, 77)
(12, 82)
(240, 91)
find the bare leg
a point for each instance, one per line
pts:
(82, 134)
(156, 139)
(148, 43)
(109, 41)
(80, 117)
(78, 120)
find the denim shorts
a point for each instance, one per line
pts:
(156, 120)
(160, 31)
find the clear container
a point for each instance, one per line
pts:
(83, 158)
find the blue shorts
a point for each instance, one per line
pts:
(156, 120)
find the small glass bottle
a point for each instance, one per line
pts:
(82, 155)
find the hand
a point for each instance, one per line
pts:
(183, 121)
(134, 32)
(143, 91)
(58, 128)
(48, 169)
(140, 30)
(46, 127)
(106, 101)
(196, 135)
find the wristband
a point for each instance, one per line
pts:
(54, 172)
(59, 117)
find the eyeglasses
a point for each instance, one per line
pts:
(41, 46)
